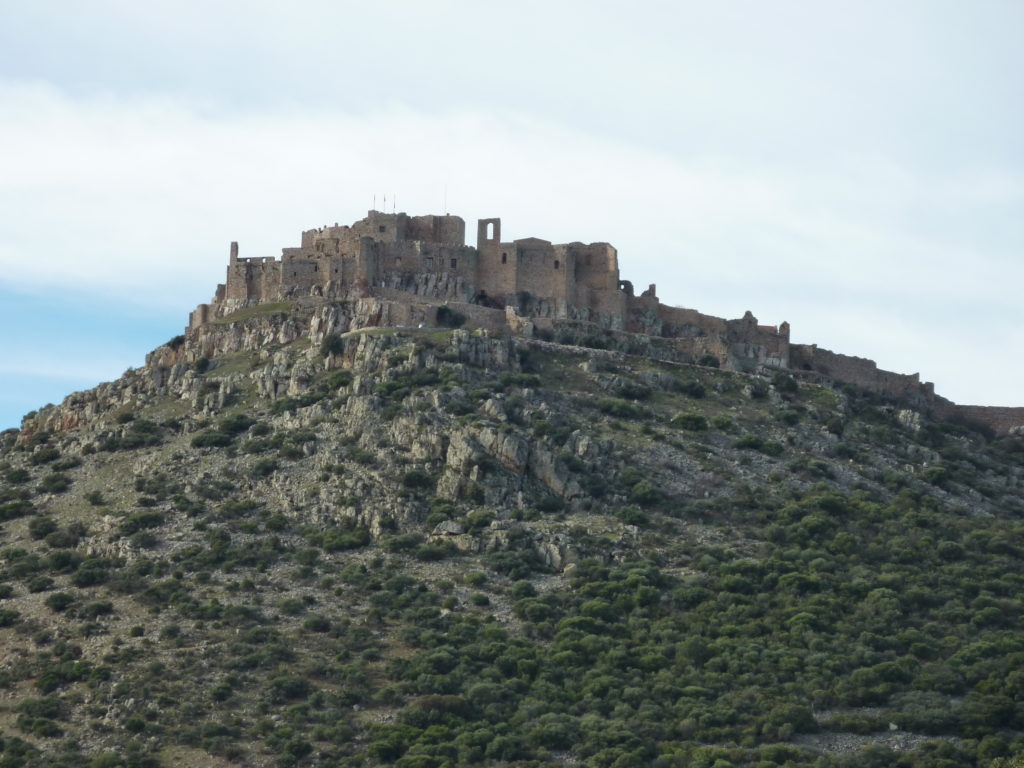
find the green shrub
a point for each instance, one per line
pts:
(550, 503)
(621, 409)
(40, 527)
(141, 433)
(785, 384)
(405, 542)
(59, 601)
(631, 516)
(434, 551)
(632, 390)
(55, 483)
(339, 539)
(64, 538)
(91, 572)
(289, 688)
(317, 624)
(692, 388)
(332, 344)
(417, 479)
(17, 476)
(264, 467)
(212, 438)
(287, 404)
(95, 609)
(645, 493)
(44, 456)
(40, 584)
(236, 423)
(789, 417)
(748, 442)
(693, 422)
(937, 475)
(140, 521)
(12, 510)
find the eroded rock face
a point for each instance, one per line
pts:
(179, 368)
(374, 402)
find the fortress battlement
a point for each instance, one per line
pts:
(418, 264)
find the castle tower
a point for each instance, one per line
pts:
(488, 232)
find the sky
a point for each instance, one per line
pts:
(853, 168)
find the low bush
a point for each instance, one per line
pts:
(12, 510)
(40, 527)
(212, 438)
(622, 409)
(17, 476)
(692, 422)
(59, 601)
(44, 456)
(692, 389)
(55, 483)
(332, 344)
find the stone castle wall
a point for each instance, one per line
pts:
(415, 264)
(858, 371)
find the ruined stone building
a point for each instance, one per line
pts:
(404, 269)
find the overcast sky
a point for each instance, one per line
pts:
(855, 168)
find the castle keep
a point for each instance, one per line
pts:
(392, 254)
(413, 271)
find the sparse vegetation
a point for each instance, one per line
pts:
(449, 563)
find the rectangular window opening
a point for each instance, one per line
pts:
(455, 263)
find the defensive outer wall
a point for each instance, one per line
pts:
(415, 265)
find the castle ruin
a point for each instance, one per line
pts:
(413, 266)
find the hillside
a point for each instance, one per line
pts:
(274, 545)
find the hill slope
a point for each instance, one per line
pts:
(430, 548)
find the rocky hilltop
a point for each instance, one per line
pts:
(294, 537)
